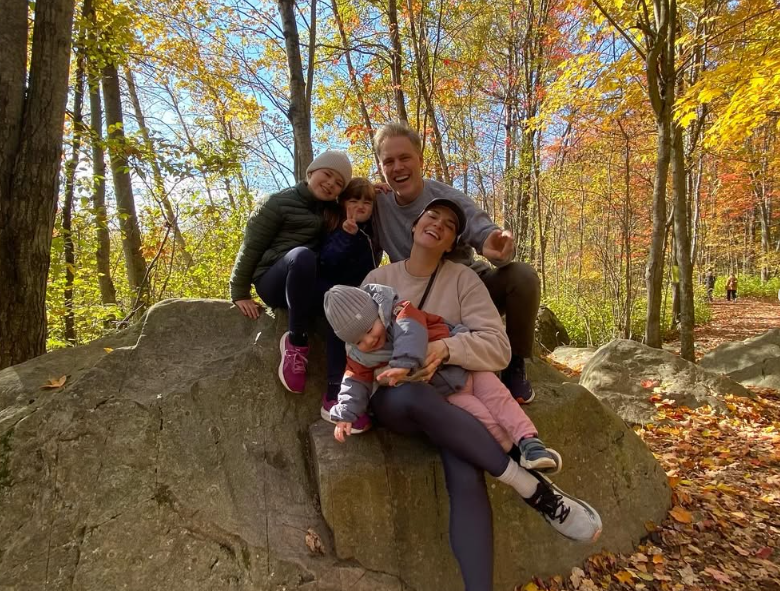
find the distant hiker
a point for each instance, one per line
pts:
(731, 288)
(278, 256)
(709, 281)
(514, 287)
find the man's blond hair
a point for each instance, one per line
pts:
(395, 129)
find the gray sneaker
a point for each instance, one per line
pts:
(535, 456)
(568, 516)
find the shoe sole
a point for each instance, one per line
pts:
(281, 366)
(326, 417)
(528, 400)
(546, 465)
(580, 502)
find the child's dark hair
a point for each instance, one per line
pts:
(358, 187)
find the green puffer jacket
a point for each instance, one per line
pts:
(282, 221)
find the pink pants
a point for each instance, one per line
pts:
(486, 398)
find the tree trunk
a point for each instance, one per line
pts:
(355, 84)
(298, 113)
(683, 245)
(160, 194)
(395, 62)
(67, 206)
(103, 252)
(423, 78)
(123, 189)
(32, 114)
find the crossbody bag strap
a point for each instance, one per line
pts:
(428, 289)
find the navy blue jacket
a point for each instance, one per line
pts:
(346, 259)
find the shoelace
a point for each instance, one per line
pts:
(299, 361)
(552, 505)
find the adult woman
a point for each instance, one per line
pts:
(467, 449)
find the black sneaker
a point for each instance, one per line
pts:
(535, 456)
(517, 383)
(568, 516)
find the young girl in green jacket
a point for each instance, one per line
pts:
(279, 257)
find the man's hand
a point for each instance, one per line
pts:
(498, 246)
(249, 308)
(350, 225)
(342, 431)
(393, 375)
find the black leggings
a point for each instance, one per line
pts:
(467, 451)
(289, 284)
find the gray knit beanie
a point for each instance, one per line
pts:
(350, 311)
(335, 160)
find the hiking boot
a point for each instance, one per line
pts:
(517, 383)
(363, 422)
(570, 517)
(535, 456)
(292, 368)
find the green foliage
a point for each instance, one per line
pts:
(750, 286)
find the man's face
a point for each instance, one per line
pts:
(402, 167)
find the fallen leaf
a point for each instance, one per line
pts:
(681, 515)
(686, 573)
(719, 576)
(107, 349)
(764, 553)
(314, 542)
(529, 587)
(623, 576)
(53, 384)
(650, 383)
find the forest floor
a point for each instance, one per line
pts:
(723, 530)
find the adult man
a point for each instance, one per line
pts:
(513, 286)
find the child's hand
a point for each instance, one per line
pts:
(342, 430)
(393, 375)
(350, 225)
(249, 308)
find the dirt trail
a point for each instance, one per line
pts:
(747, 317)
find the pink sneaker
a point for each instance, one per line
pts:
(362, 424)
(292, 368)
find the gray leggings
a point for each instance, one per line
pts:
(467, 451)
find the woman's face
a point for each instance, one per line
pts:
(437, 229)
(326, 184)
(359, 209)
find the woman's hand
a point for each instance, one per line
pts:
(393, 375)
(438, 353)
(249, 308)
(342, 430)
(498, 246)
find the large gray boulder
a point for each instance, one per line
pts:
(752, 362)
(385, 499)
(621, 372)
(171, 459)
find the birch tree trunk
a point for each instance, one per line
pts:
(160, 193)
(32, 114)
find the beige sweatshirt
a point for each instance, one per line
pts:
(459, 296)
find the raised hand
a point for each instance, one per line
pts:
(350, 225)
(498, 246)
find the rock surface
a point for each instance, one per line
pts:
(381, 493)
(573, 357)
(616, 371)
(550, 332)
(171, 459)
(752, 362)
